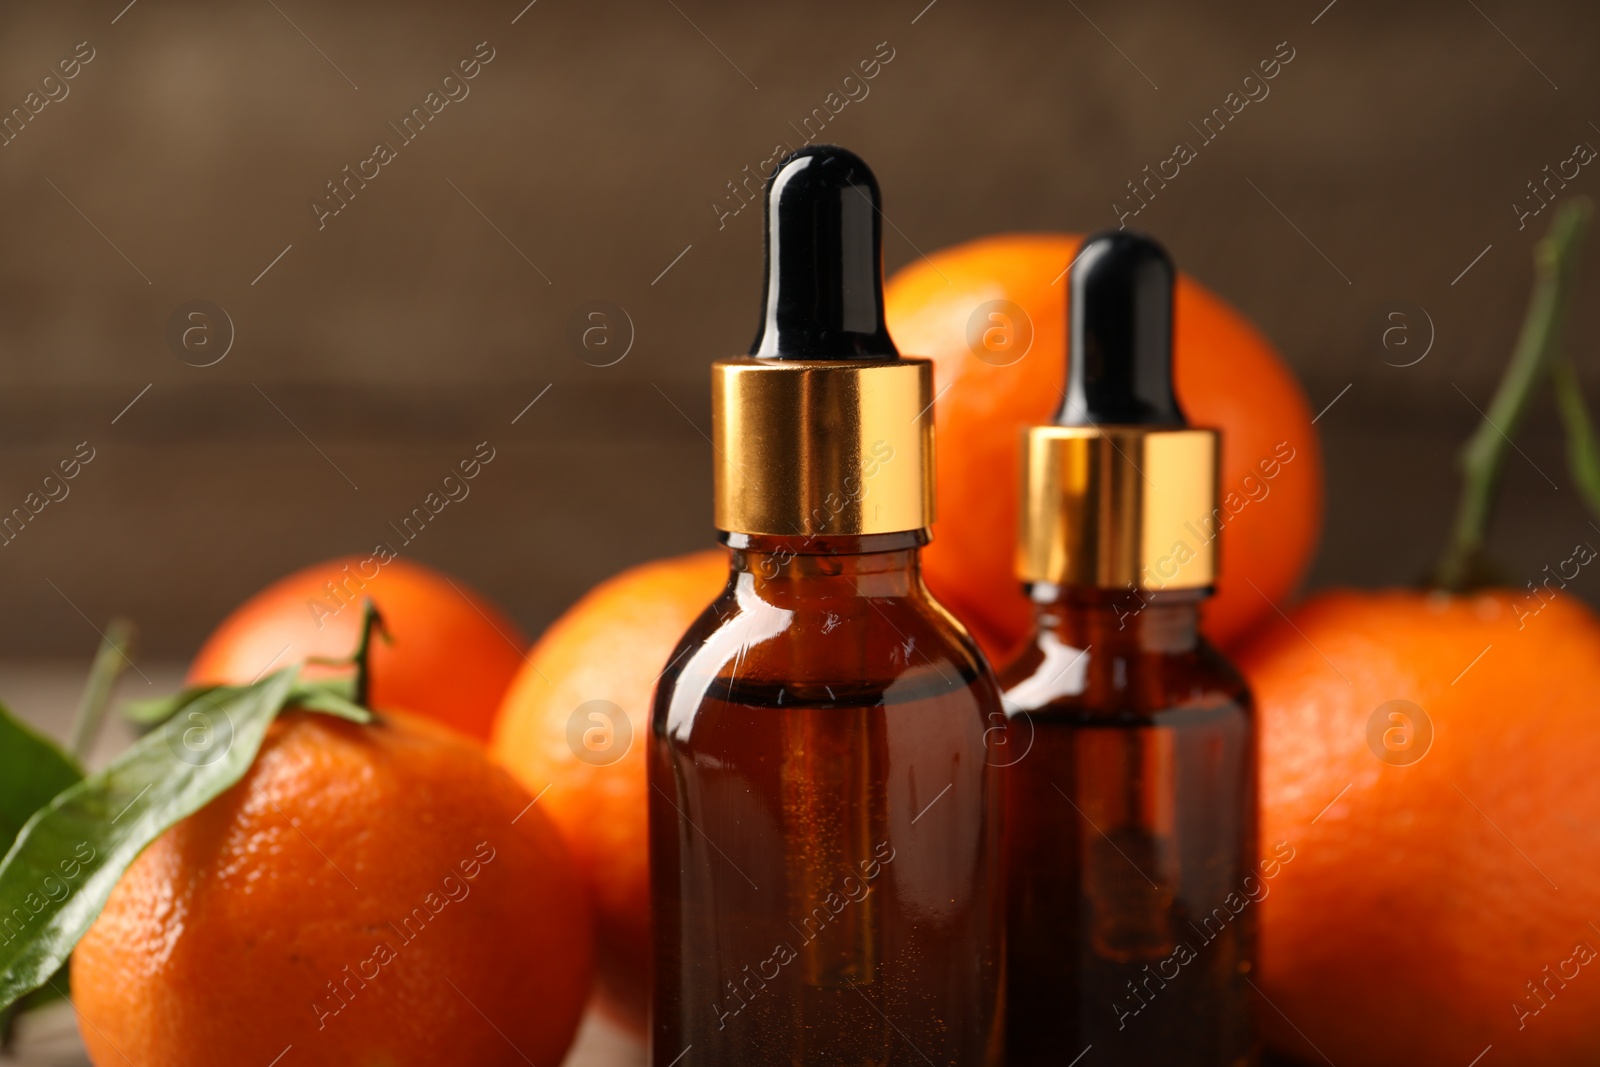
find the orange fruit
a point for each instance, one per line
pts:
(452, 656)
(1227, 376)
(1421, 900)
(365, 895)
(574, 728)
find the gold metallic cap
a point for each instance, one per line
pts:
(822, 447)
(1120, 492)
(1117, 506)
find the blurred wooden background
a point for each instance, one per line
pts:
(371, 354)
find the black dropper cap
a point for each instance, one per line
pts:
(824, 273)
(1119, 352)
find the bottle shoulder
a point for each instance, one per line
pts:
(764, 648)
(1048, 675)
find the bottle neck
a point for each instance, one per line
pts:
(1122, 621)
(871, 564)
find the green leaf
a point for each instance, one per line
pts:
(68, 857)
(32, 770)
(158, 710)
(330, 701)
(331, 696)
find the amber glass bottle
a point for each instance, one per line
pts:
(1131, 778)
(824, 826)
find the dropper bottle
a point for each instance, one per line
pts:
(824, 827)
(1131, 791)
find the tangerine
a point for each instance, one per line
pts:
(992, 315)
(452, 653)
(365, 894)
(1429, 761)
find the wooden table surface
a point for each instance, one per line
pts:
(49, 1038)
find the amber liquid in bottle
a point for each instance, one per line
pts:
(1131, 838)
(824, 826)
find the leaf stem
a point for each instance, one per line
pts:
(1583, 450)
(371, 622)
(1483, 458)
(360, 681)
(109, 662)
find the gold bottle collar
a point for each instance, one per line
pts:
(1114, 507)
(822, 447)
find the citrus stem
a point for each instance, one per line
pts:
(1583, 449)
(371, 622)
(109, 663)
(360, 659)
(1484, 456)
